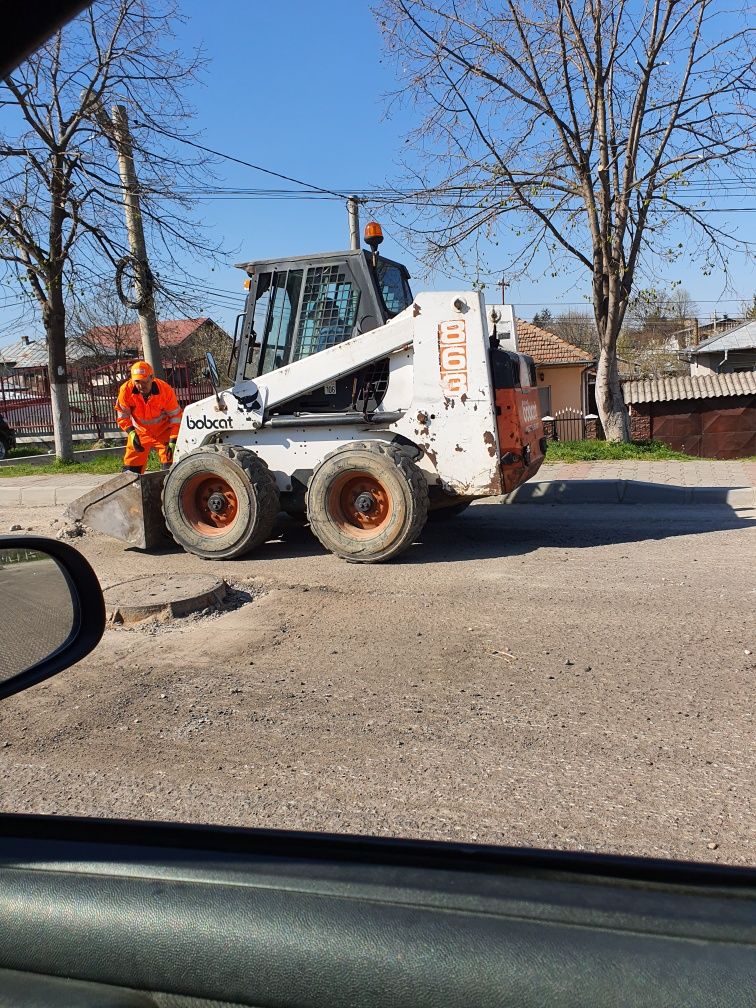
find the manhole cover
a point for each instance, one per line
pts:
(163, 596)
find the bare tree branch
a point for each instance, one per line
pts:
(580, 121)
(61, 218)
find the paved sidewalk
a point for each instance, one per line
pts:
(703, 473)
(45, 491)
(704, 482)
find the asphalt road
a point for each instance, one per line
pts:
(550, 676)
(37, 616)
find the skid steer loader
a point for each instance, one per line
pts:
(355, 404)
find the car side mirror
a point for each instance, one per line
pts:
(53, 611)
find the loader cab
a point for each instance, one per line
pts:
(300, 305)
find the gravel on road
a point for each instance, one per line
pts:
(560, 677)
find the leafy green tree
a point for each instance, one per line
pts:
(543, 319)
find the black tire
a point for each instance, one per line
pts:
(220, 502)
(367, 501)
(449, 511)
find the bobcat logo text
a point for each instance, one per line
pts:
(205, 423)
(529, 412)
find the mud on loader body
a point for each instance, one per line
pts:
(355, 405)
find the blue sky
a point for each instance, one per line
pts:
(302, 88)
(298, 88)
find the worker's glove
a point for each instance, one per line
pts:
(133, 441)
(171, 446)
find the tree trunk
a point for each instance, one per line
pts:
(55, 331)
(609, 398)
(54, 316)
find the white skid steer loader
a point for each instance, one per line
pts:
(355, 405)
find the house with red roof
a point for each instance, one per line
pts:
(564, 372)
(180, 340)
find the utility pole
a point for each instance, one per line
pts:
(143, 282)
(503, 284)
(353, 209)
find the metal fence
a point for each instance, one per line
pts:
(92, 392)
(565, 425)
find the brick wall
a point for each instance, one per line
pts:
(640, 421)
(593, 430)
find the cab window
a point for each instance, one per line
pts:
(275, 311)
(393, 285)
(329, 310)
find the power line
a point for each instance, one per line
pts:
(588, 305)
(247, 164)
(385, 200)
(733, 187)
(406, 197)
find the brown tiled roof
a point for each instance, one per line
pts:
(546, 348)
(687, 387)
(171, 333)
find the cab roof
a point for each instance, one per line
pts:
(253, 265)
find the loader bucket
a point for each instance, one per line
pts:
(127, 507)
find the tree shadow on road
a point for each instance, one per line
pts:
(489, 530)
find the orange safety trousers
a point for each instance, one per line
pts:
(158, 440)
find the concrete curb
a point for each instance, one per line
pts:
(87, 455)
(618, 491)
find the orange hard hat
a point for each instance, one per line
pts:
(140, 369)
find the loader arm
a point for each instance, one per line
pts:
(247, 404)
(335, 362)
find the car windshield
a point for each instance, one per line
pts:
(471, 563)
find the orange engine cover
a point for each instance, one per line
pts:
(520, 432)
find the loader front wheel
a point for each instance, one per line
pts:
(220, 502)
(367, 502)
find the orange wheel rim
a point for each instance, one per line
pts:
(209, 503)
(359, 504)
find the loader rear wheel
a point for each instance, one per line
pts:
(220, 502)
(367, 501)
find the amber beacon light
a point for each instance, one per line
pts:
(373, 237)
(373, 234)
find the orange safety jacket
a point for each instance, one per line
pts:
(157, 417)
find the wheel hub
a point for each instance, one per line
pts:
(217, 503)
(365, 503)
(209, 503)
(359, 504)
